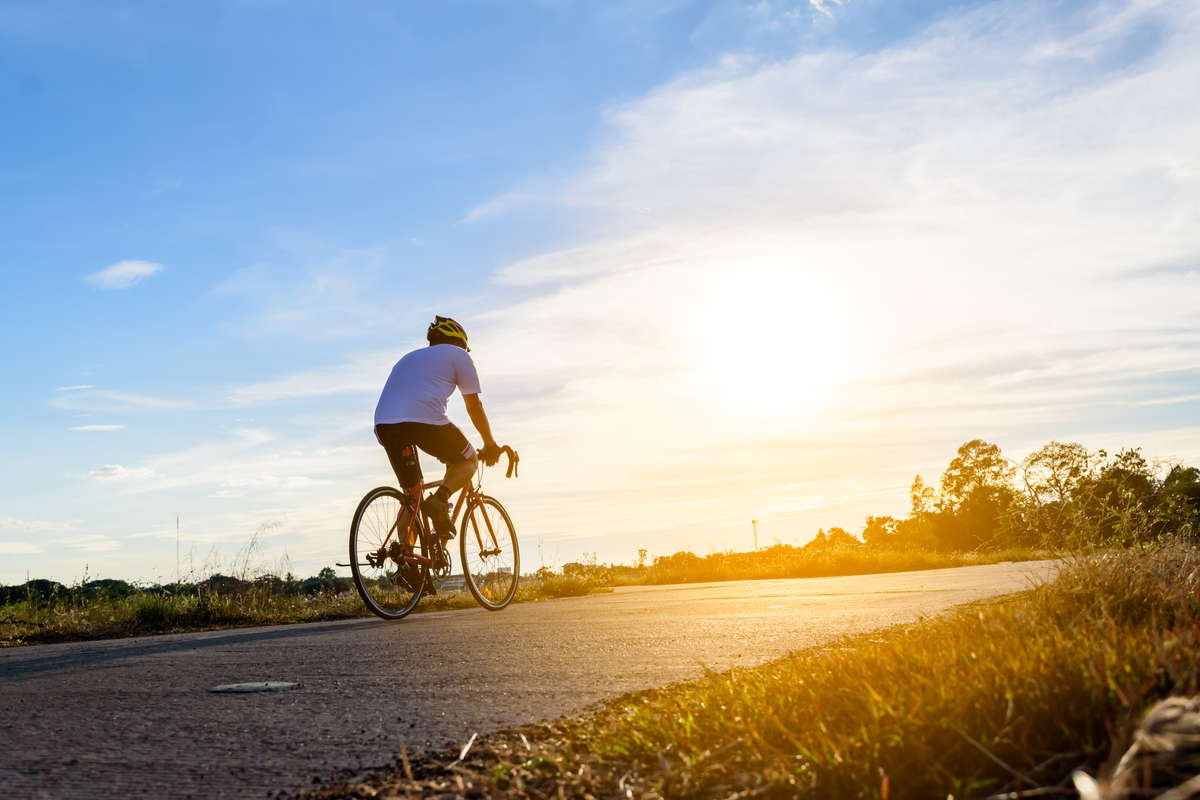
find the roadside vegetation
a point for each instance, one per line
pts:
(1001, 699)
(43, 611)
(985, 509)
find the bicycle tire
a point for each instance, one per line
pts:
(389, 593)
(492, 580)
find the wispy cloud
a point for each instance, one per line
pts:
(1171, 401)
(90, 543)
(826, 6)
(116, 472)
(496, 206)
(254, 435)
(96, 401)
(314, 290)
(19, 548)
(76, 388)
(33, 525)
(123, 274)
(98, 428)
(361, 374)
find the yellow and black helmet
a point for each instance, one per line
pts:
(445, 328)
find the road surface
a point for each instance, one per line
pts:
(135, 717)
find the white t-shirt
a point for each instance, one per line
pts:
(422, 382)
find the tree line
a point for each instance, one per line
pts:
(1061, 496)
(41, 592)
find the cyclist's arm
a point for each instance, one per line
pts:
(479, 418)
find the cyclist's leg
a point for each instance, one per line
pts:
(458, 475)
(447, 444)
(402, 455)
(397, 441)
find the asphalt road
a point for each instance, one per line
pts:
(134, 717)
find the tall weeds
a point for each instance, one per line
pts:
(1041, 684)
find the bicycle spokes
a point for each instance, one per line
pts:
(387, 556)
(491, 564)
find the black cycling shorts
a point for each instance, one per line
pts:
(446, 443)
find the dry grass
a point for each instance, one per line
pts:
(1006, 697)
(785, 561)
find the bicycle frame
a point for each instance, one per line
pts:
(470, 492)
(416, 493)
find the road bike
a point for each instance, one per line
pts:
(396, 557)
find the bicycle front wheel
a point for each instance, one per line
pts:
(387, 555)
(491, 562)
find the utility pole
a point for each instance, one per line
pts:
(177, 575)
(754, 522)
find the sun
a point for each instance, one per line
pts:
(767, 343)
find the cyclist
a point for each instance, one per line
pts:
(412, 411)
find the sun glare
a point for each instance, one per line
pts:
(768, 342)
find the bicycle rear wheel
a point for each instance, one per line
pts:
(389, 564)
(491, 561)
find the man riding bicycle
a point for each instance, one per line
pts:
(412, 411)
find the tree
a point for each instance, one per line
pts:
(979, 465)
(328, 579)
(839, 537)
(977, 497)
(923, 497)
(1179, 500)
(879, 531)
(1057, 471)
(1056, 477)
(917, 533)
(1120, 499)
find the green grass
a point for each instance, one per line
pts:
(1005, 696)
(73, 619)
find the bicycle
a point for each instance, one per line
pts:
(396, 558)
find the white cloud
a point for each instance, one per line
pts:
(33, 525)
(123, 274)
(275, 482)
(90, 543)
(98, 428)
(19, 548)
(90, 400)
(318, 292)
(362, 374)
(499, 205)
(254, 435)
(116, 472)
(162, 533)
(1171, 401)
(824, 6)
(75, 388)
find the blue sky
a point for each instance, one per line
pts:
(961, 219)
